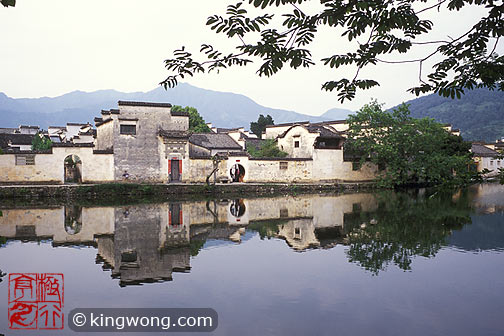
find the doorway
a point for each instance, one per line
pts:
(175, 169)
(237, 173)
(73, 169)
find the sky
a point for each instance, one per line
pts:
(52, 47)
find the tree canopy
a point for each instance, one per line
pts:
(405, 226)
(196, 122)
(259, 126)
(407, 150)
(267, 149)
(41, 142)
(378, 29)
(7, 3)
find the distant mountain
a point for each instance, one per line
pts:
(336, 114)
(223, 109)
(479, 114)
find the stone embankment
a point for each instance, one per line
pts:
(170, 191)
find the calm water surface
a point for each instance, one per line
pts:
(351, 264)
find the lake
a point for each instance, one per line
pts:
(385, 263)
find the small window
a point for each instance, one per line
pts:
(296, 144)
(491, 163)
(25, 160)
(129, 256)
(284, 212)
(355, 165)
(128, 129)
(498, 163)
(284, 165)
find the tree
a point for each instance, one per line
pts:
(41, 142)
(378, 30)
(405, 226)
(7, 3)
(407, 150)
(267, 149)
(196, 122)
(259, 126)
(501, 175)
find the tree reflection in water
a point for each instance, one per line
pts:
(404, 226)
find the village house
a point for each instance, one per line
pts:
(148, 142)
(487, 158)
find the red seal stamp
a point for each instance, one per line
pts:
(36, 300)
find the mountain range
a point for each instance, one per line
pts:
(223, 109)
(479, 114)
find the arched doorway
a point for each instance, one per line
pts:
(73, 219)
(73, 169)
(237, 173)
(237, 208)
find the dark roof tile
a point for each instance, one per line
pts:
(133, 103)
(15, 139)
(214, 141)
(483, 151)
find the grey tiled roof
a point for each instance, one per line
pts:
(226, 130)
(324, 132)
(173, 134)
(214, 141)
(16, 139)
(134, 103)
(483, 151)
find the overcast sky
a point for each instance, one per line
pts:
(51, 47)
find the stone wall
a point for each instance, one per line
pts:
(262, 170)
(328, 165)
(50, 168)
(104, 136)
(199, 169)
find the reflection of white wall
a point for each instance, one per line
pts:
(50, 223)
(238, 220)
(299, 234)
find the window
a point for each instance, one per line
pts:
(128, 129)
(25, 160)
(356, 207)
(296, 144)
(284, 212)
(284, 165)
(491, 162)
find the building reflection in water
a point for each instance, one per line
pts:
(149, 242)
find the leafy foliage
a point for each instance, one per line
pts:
(7, 3)
(267, 149)
(405, 226)
(266, 229)
(501, 175)
(378, 29)
(258, 127)
(41, 142)
(408, 151)
(196, 122)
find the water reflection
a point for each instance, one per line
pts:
(149, 242)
